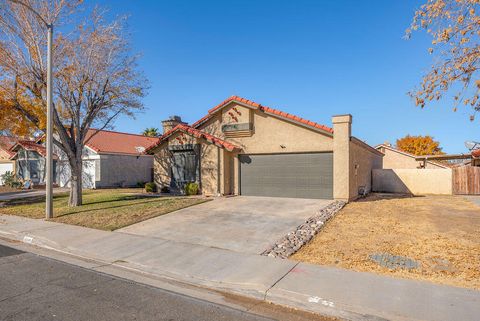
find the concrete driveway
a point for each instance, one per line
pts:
(242, 224)
(28, 193)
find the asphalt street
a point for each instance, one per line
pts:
(34, 287)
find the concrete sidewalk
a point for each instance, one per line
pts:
(335, 292)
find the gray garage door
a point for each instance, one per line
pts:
(287, 175)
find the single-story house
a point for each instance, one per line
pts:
(111, 159)
(244, 148)
(30, 164)
(6, 164)
(396, 159)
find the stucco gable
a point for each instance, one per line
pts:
(266, 110)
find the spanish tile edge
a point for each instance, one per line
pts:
(294, 240)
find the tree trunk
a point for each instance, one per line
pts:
(76, 184)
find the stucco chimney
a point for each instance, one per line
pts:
(342, 131)
(171, 122)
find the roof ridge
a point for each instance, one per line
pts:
(189, 129)
(263, 108)
(118, 132)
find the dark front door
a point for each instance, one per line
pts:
(306, 175)
(185, 169)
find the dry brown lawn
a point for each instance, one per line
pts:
(442, 233)
(105, 209)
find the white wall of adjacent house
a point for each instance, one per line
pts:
(5, 167)
(90, 164)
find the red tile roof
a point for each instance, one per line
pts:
(6, 143)
(111, 142)
(199, 134)
(30, 146)
(265, 109)
(476, 153)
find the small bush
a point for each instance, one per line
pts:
(10, 180)
(141, 184)
(165, 189)
(150, 187)
(191, 189)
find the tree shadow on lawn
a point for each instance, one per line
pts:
(107, 207)
(64, 197)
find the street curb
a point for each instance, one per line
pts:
(327, 291)
(235, 289)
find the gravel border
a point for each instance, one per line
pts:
(294, 240)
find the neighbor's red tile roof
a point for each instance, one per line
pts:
(6, 143)
(264, 109)
(476, 153)
(31, 146)
(111, 142)
(199, 134)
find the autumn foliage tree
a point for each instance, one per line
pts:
(454, 26)
(96, 78)
(419, 145)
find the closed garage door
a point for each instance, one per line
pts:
(287, 175)
(5, 167)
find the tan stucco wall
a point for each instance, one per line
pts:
(210, 167)
(209, 163)
(393, 159)
(363, 159)
(5, 159)
(413, 181)
(270, 133)
(341, 156)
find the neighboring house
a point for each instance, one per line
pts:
(29, 157)
(111, 159)
(243, 148)
(6, 164)
(397, 159)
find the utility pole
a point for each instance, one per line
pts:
(49, 187)
(49, 133)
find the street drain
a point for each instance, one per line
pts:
(394, 262)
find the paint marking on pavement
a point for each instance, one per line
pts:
(316, 299)
(28, 239)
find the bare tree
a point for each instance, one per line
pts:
(96, 78)
(454, 26)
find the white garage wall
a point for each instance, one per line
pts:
(5, 167)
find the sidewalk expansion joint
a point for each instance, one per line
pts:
(280, 279)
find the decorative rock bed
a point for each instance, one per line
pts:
(294, 240)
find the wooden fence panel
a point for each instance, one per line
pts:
(466, 180)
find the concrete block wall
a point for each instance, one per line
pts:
(413, 181)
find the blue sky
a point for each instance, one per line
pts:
(314, 59)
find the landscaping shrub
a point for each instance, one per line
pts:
(150, 187)
(165, 189)
(191, 189)
(10, 180)
(141, 184)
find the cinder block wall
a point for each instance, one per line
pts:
(413, 181)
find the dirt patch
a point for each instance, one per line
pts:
(442, 233)
(6, 189)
